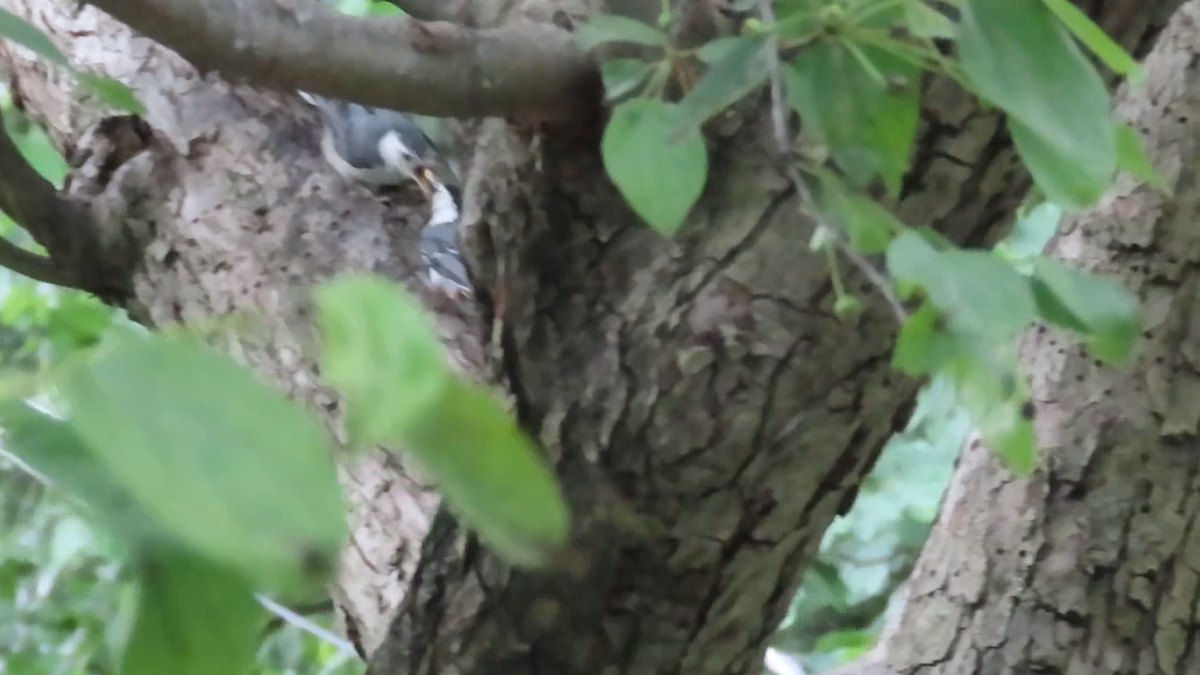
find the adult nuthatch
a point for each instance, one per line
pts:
(375, 145)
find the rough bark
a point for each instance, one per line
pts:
(704, 380)
(1091, 565)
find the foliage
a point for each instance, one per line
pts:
(69, 601)
(209, 485)
(866, 555)
(851, 69)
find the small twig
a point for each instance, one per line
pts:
(808, 204)
(304, 624)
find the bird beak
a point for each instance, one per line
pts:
(425, 180)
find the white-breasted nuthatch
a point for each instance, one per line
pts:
(445, 269)
(375, 145)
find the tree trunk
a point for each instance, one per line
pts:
(1091, 564)
(703, 379)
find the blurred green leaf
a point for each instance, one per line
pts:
(22, 32)
(492, 475)
(114, 93)
(660, 172)
(1020, 58)
(923, 346)
(1131, 156)
(193, 618)
(1112, 54)
(979, 293)
(869, 226)
(53, 448)
(867, 117)
(624, 76)
(381, 353)
(225, 462)
(1100, 308)
(995, 395)
(926, 22)
(604, 28)
(740, 70)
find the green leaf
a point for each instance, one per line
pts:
(113, 93)
(1067, 181)
(623, 76)
(995, 395)
(384, 9)
(741, 70)
(870, 227)
(868, 118)
(1020, 58)
(926, 22)
(1100, 308)
(923, 346)
(718, 49)
(193, 618)
(604, 28)
(1112, 54)
(27, 35)
(491, 474)
(980, 293)
(380, 351)
(53, 448)
(225, 463)
(1131, 156)
(660, 173)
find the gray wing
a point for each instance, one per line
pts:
(444, 266)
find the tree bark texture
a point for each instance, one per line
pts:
(1092, 564)
(702, 381)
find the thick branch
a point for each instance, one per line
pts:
(34, 203)
(430, 68)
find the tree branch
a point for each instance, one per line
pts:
(428, 68)
(33, 203)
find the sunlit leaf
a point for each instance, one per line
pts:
(659, 170)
